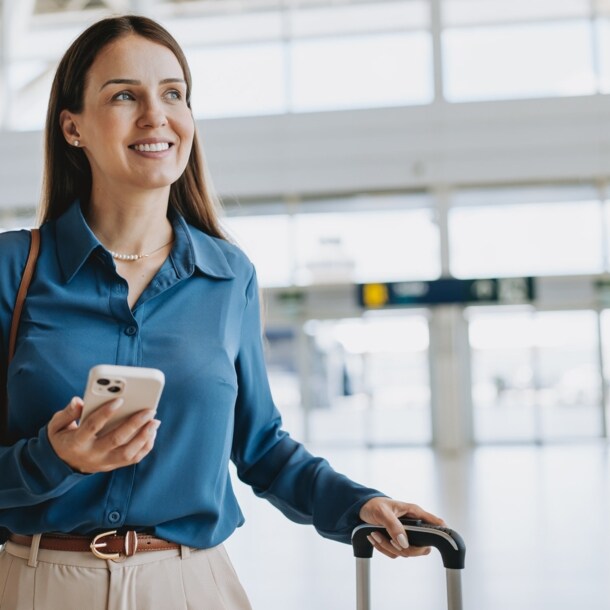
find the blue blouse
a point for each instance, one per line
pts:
(199, 322)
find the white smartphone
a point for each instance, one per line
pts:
(139, 387)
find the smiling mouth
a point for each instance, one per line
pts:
(158, 147)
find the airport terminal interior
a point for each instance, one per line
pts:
(423, 186)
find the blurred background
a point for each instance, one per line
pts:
(423, 186)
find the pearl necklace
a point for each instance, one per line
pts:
(136, 257)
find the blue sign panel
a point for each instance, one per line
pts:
(446, 291)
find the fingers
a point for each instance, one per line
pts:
(124, 432)
(390, 549)
(67, 416)
(128, 443)
(143, 443)
(386, 512)
(86, 449)
(95, 422)
(138, 446)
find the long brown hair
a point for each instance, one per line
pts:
(67, 174)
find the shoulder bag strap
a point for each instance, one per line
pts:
(26, 278)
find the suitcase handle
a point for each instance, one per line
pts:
(449, 543)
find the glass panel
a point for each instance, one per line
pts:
(502, 376)
(361, 72)
(535, 375)
(367, 246)
(281, 355)
(518, 61)
(215, 25)
(371, 380)
(267, 241)
(569, 374)
(365, 17)
(471, 12)
(238, 80)
(606, 237)
(526, 239)
(29, 85)
(603, 53)
(605, 337)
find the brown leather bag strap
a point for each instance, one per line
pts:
(26, 278)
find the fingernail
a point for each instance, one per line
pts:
(115, 404)
(152, 428)
(370, 540)
(402, 540)
(398, 548)
(377, 537)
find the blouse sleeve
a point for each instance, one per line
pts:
(30, 470)
(304, 487)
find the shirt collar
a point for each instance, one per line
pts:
(195, 249)
(75, 241)
(192, 248)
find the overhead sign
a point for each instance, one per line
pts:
(447, 291)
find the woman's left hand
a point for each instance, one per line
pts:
(385, 512)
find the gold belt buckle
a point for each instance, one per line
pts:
(131, 546)
(96, 544)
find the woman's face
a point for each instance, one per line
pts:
(135, 128)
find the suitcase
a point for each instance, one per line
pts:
(447, 541)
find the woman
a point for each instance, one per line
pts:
(134, 270)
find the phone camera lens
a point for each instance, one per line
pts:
(114, 389)
(103, 381)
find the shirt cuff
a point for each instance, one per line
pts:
(55, 471)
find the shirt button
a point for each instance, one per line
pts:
(131, 331)
(114, 516)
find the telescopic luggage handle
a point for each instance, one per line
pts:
(449, 543)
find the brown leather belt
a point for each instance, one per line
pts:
(114, 546)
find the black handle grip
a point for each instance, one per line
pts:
(449, 543)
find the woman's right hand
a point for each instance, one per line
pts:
(85, 450)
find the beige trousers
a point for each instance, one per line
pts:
(186, 579)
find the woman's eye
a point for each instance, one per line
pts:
(174, 95)
(123, 96)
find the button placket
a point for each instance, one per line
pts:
(114, 516)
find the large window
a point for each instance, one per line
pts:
(361, 72)
(536, 375)
(267, 59)
(370, 379)
(238, 80)
(506, 49)
(378, 239)
(278, 57)
(372, 245)
(518, 61)
(267, 240)
(526, 232)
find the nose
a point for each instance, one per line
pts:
(152, 114)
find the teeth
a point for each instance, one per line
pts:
(152, 147)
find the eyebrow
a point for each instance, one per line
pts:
(131, 81)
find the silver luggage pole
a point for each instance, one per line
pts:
(363, 583)
(449, 543)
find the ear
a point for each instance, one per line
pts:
(69, 126)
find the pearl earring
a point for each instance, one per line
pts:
(76, 143)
